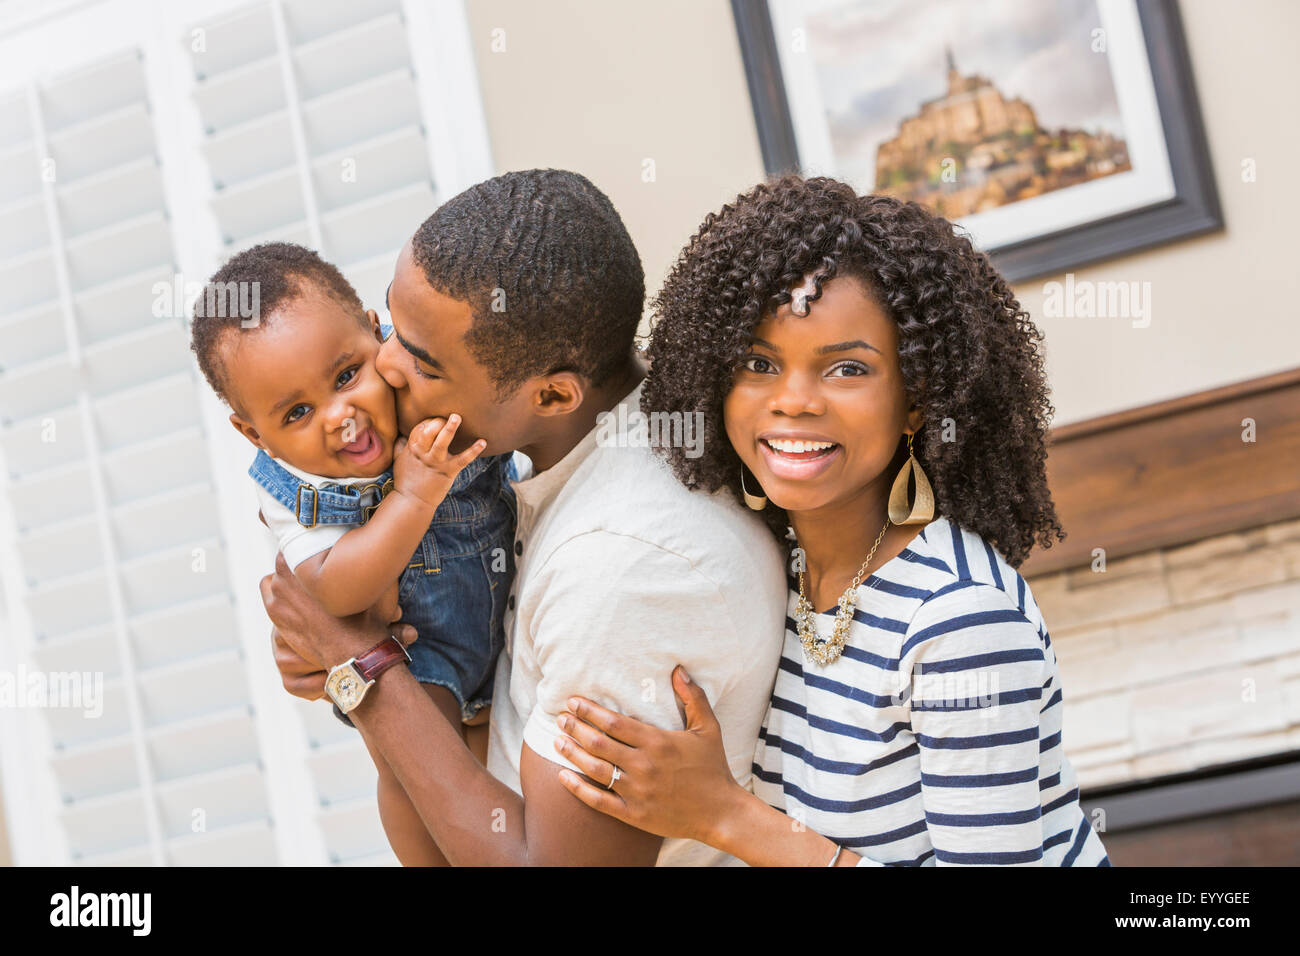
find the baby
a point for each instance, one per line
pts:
(361, 515)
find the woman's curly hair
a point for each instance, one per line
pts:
(969, 354)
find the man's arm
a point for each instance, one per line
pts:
(614, 613)
(476, 819)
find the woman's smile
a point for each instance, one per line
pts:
(797, 459)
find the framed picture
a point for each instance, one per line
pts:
(1056, 132)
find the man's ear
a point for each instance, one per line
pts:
(249, 432)
(373, 316)
(558, 393)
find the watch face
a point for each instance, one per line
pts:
(346, 689)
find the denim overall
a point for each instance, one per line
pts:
(454, 588)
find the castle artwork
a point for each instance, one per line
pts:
(963, 107)
(974, 149)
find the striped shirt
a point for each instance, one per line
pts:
(935, 738)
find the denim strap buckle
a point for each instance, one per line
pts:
(297, 507)
(384, 489)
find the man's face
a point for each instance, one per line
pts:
(427, 363)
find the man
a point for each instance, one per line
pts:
(515, 306)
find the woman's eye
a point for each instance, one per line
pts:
(296, 413)
(753, 360)
(347, 375)
(852, 366)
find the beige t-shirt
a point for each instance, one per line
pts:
(625, 573)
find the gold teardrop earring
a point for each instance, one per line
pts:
(755, 502)
(921, 510)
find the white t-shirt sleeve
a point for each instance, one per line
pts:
(614, 616)
(295, 542)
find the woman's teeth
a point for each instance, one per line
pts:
(789, 447)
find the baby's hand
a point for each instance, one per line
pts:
(422, 467)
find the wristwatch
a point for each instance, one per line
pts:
(347, 683)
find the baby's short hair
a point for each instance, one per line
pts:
(253, 284)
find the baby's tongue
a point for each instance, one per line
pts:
(360, 445)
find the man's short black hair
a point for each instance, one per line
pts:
(551, 275)
(277, 273)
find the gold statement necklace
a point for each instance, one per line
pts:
(827, 652)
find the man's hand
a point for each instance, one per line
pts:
(307, 641)
(422, 465)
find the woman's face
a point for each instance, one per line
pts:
(830, 380)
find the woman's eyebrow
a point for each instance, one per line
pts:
(825, 349)
(845, 346)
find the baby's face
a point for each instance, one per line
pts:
(307, 391)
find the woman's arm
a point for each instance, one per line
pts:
(677, 784)
(354, 574)
(978, 669)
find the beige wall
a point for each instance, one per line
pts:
(600, 86)
(1224, 307)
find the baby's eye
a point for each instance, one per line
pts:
(296, 413)
(347, 375)
(748, 363)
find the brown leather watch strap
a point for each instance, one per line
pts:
(382, 656)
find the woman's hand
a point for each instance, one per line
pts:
(671, 783)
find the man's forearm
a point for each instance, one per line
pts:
(475, 819)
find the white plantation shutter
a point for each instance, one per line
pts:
(142, 146)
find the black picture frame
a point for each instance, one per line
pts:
(1194, 209)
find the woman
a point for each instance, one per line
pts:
(853, 349)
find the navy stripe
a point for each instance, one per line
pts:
(1009, 818)
(955, 586)
(988, 859)
(961, 622)
(1020, 591)
(979, 779)
(1056, 699)
(839, 688)
(959, 551)
(859, 615)
(848, 806)
(898, 590)
(907, 554)
(1052, 841)
(834, 766)
(977, 702)
(1047, 743)
(993, 565)
(1078, 844)
(1047, 783)
(850, 652)
(1063, 800)
(835, 726)
(880, 839)
(954, 664)
(973, 743)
